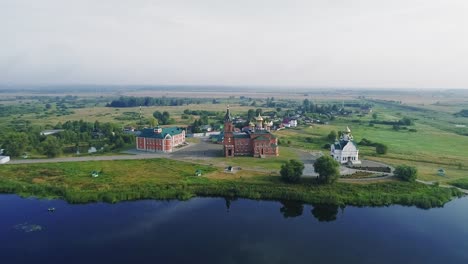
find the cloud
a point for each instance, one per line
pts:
(363, 43)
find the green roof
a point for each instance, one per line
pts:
(149, 132)
(243, 135)
(261, 138)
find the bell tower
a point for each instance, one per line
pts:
(228, 134)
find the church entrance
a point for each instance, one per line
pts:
(229, 153)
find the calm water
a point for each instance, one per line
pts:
(203, 230)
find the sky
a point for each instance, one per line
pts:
(309, 43)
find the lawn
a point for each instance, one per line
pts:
(269, 164)
(171, 179)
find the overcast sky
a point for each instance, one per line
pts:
(313, 43)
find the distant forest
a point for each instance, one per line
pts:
(130, 101)
(463, 113)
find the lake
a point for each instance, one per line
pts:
(215, 230)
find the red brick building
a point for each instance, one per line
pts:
(257, 141)
(160, 139)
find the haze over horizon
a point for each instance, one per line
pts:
(319, 43)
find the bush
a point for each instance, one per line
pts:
(332, 135)
(381, 148)
(366, 142)
(291, 171)
(406, 173)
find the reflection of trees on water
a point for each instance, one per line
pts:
(228, 201)
(322, 212)
(325, 212)
(291, 208)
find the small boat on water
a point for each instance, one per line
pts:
(52, 209)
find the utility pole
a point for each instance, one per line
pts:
(140, 116)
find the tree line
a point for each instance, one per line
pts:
(107, 136)
(130, 101)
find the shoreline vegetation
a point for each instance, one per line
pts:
(165, 179)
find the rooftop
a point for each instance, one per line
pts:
(150, 133)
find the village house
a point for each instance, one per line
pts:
(257, 141)
(345, 150)
(160, 139)
(289, 122)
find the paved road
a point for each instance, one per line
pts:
(87, 158)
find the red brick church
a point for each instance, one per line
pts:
(257, 141)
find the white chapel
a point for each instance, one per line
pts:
(345, 149)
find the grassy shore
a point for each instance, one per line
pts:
(170, 179)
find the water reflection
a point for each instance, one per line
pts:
(251, 232)
(322, 212)
(325, 212)
(228, 201)
(291, 208)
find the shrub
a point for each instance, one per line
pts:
(406, 173)
(332, 135)
(366, 142)
(381, 148)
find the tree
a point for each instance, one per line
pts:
(406, 173)
(291, 171)
(259, 111)
(15, 143)
(332, 135)
(51, 146)
(153, 122)
(327, 168)
(306, 105)
(374, 115)
(406, 121)
(163, 118)
(250, 114)
(381, 148)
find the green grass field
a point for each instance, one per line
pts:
(122, 115)
(270, 164)
(170, 179)
(428, 149)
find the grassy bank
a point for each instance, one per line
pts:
(169, 179)
(461, 183)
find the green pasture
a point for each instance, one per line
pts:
(170, 179)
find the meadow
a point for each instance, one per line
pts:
(428, 149)
(170, 179)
